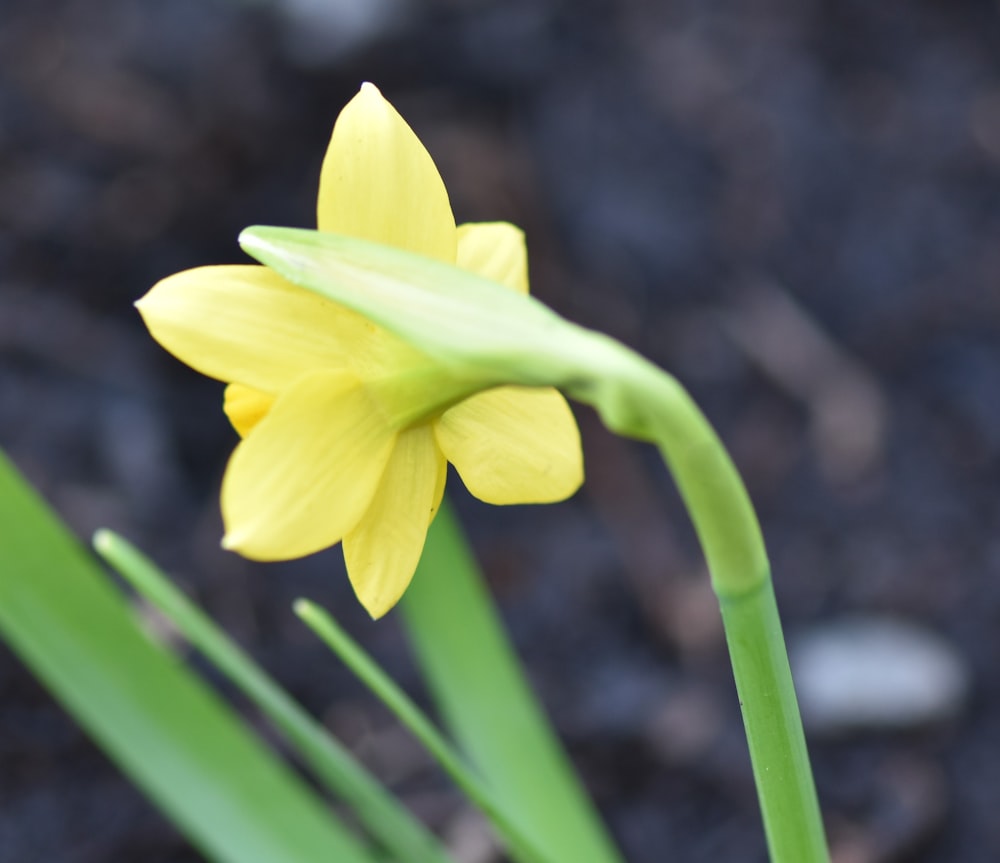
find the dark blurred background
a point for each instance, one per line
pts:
(793, 205)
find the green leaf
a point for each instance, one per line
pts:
(385, 818)
(369, 672)
(186, 750)
(487, 704)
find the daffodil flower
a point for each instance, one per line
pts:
(346, 429)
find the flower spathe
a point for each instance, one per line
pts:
(346, 430)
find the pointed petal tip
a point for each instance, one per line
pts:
(378, 606)
(379, 183)
(240, 542)
(145, 302)
(378, 596)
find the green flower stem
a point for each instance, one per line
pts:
(713, 491)
(637, 399)
(377, 810)
(774, 732)
(521, 847)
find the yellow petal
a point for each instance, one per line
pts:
(246, 324)
(495, 250)
(245, 407)
(514, 445)
(439, 488)
(306, 474)
(383, 550)
(379, 183)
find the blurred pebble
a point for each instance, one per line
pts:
(469, 839)
(320, 32)
(686, 725)
(876, 673)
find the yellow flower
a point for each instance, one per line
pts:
(347, 431)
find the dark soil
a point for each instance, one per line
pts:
(794, 205)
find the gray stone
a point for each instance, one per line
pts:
(876, 673)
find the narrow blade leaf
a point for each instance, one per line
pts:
(487, 704)
(186, 750)
(385, 818)
(368, 671)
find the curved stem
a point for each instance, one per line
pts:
(637, 399)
